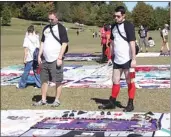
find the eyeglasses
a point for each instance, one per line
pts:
(51, 19)
(116, 16)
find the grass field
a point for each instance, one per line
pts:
(156, 100)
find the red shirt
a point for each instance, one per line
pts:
(104, 37)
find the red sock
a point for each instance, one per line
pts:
(115, 90)
(131, 90)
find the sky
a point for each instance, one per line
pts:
(130, 4)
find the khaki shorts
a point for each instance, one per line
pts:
(51, 72)
(166, 38)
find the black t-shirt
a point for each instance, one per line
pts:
(143, 33)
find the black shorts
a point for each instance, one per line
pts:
(127, 65)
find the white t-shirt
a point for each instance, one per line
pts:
(51, 47)
(31, 42)
(165, 32)
(122, 49)
(151, 43)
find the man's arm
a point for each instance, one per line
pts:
(131, 39)
(62, 51)
(112, 49)
(64, 41)
(40, 50)
(112, 42)
(132, 44)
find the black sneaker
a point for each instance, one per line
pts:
(130, 106)
(40, 103)
(110, 105)
(161, 53)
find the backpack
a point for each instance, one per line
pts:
(125, 38)
(35, 54)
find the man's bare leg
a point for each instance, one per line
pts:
(131, 89)
(58, 91)
(115, 90)
(44, 89)
(167, 46)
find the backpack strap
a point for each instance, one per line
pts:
(54, 35)
(112, 27)
(125, 28)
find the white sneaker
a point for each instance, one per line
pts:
(17, 85)
(137, 86)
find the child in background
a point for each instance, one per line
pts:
(31, 42)
(151, 42)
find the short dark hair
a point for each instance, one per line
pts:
(120, 9)
(30, 29)
(106, 27)
(53, 12)
(150, 38)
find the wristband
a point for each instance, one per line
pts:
(59, 58)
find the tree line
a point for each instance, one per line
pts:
(88, 13)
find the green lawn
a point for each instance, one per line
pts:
(156, 100)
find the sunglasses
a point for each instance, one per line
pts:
(116, 16)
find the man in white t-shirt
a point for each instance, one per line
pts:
(124, 58)
(53, 52)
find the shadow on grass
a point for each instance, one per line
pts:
(6, 24)
(105, 101)
(100, 61)
(37, 98)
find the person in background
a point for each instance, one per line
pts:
(164, 36)
(99, 34)
(37, 34)
(151, 42)
(107, 37)
(96, 34)
(143, 35)
(77, 32)
(31, 42)
(93, 34)
(103, 43)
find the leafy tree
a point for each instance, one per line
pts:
(36, 10)
(160, 17)
(63, 10)
(92, 16)
(142, 15)
(79, 13)
(6, 16)
(106, 11)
